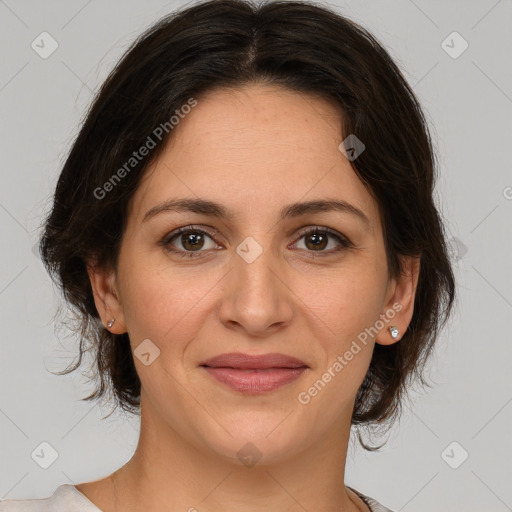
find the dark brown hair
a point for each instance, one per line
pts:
(303, 47)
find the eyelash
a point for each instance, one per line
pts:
(344, 242)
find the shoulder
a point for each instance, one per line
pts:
(372, 504)
(66, 498)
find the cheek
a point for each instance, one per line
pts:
(346, 302)
(346, 306)
(344, 315)
(161, 301)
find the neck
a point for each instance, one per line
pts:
(168, 472)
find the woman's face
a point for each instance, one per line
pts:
(252, 280)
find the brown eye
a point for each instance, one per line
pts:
(318, 240)
(187, 241)
(192, 240)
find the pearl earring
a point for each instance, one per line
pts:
(394, 332)
(110, 323)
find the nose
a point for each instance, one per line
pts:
(256, 299)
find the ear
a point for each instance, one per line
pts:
(107, 297)
(400, 300)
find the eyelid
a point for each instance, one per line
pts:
(212, 233)
(329, 231)
(344, 242)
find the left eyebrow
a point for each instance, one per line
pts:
(213, 209)
(319, 206)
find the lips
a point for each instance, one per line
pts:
(242, 361)
(254, 374)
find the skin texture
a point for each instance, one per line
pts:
(254, 150)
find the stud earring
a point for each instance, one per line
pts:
(394, 332)
(110, 323)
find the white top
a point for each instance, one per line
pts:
(67, 498)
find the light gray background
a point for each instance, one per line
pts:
(468, 101)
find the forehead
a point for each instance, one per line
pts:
(255, 149)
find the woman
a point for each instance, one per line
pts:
(246, 226)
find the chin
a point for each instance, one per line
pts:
(257, 441)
